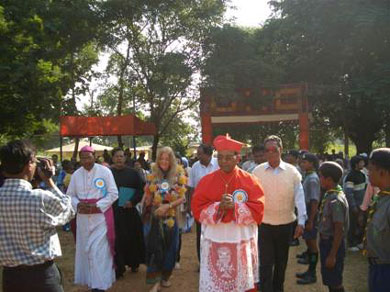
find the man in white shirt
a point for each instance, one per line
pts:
(283, 192)
(205, 165)
(93, 191)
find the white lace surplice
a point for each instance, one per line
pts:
(229, 254)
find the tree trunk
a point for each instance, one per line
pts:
(120, 142)
(156, 139)
(387, 134)
(122, 89)
(363, 144)
(76, 148)
(346, 143)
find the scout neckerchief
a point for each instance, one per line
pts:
(338, 189)
(371, 213)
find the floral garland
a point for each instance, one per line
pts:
(177, 191)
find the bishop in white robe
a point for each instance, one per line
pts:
(93, 191)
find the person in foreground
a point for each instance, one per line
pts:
(93, 191)
(378, 225)
(229, 205)
(333, 226)
(283, 192)
(164, 193)
(29, 241)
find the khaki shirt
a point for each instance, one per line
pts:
(335, 209)
(378, 231)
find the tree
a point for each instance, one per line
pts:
(162, 52)
(45, 49)
(342, 49)
(237, 58)
(240, 58)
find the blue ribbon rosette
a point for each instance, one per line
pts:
(164, 187)
(100, 184)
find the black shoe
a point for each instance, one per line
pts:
(301, 255)
(294, 242)
(134, 270)
(309, 279)
(301, 275)
(303, 261)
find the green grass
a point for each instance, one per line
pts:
(340, 147)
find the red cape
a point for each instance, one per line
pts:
(212, 186)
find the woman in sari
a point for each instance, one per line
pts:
(164, 193)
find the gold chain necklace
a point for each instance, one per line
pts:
(226, 182)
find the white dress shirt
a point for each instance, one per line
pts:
(199, 170)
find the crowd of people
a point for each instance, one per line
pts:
(125, 212)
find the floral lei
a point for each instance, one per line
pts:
(177, 191)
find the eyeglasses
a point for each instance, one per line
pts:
(226, 157)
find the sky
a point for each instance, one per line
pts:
(249, 13)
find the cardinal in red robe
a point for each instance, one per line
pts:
(229, 204)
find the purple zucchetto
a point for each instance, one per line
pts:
(87, 148)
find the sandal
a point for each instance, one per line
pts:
(166, 284)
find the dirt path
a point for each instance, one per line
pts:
(186, 278)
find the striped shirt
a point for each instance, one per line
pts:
(355, 187)
(28, 220)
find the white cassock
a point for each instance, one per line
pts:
(94, 261)
(229, 252)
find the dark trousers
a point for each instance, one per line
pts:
(355, 232)
(378, 277)
(273, 247)
(179, 249)
(331, 277)
(198, 233)
(43, 278)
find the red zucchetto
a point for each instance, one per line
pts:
(226, 143)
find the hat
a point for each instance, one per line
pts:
(332, 167)
(226, 143)
(87, 148)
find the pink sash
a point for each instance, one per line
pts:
(109, 216)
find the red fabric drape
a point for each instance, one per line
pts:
(79, 126)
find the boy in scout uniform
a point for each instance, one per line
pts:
(311, 187)
(333, 226)
(378, 224)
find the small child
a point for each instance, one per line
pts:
(333, 226)
(378, 223)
